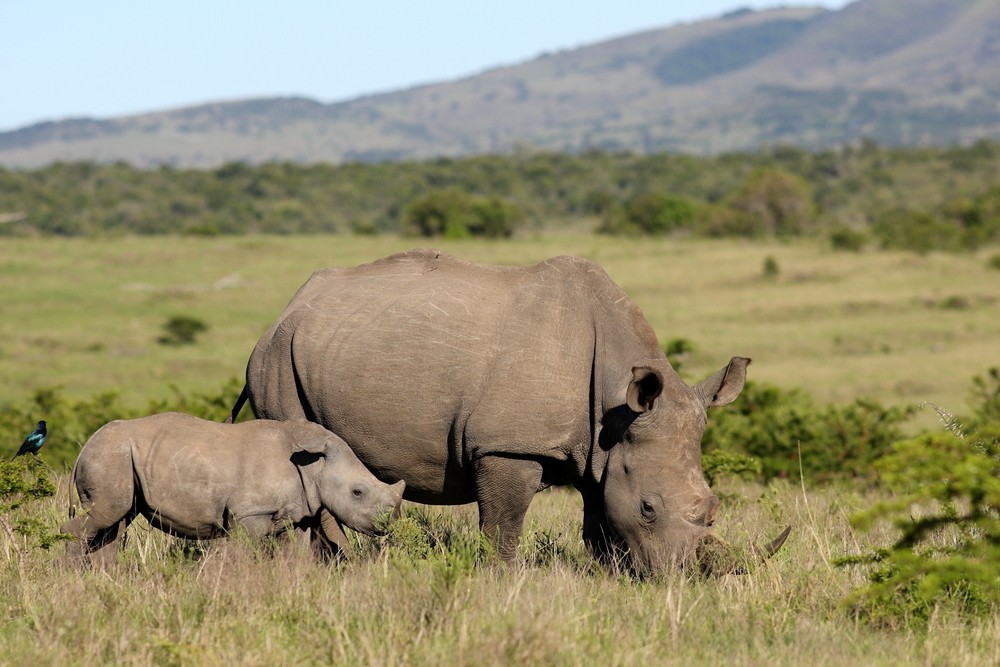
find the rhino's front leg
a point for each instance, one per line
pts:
(504, 489)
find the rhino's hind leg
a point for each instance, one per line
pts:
(504, 489)
(75, 547)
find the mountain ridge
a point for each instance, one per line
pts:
(901, 72)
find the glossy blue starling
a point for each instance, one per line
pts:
(33, 442)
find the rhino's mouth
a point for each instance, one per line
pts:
(709, 553)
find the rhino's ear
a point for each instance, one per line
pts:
(311, 445)
(643, 390)
(725, 385)
(307, 436)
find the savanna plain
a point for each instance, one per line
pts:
(84, 316)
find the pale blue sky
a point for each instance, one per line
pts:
(107, 58)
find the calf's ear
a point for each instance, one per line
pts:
(725, 385)
(312, 445)
(307, 436)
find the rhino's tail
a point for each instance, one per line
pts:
(72, 487)
(235, 412)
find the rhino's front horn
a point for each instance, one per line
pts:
(772, 547)
(716, 558)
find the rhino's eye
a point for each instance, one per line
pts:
(647, 510)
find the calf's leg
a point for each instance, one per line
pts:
(106, 511)
(98, 534)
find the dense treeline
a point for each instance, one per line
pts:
(946, 198)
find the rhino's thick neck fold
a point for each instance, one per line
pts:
(622, 340)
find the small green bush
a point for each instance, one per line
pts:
(778, 426)
(364, 228)
(407, 538)
(770, 269)
(921, 232)
(422, 534)
(955, 302)
(946, 509)
(181, 330)
(494, 218)
(847, 239)
(24, 481)
(454, 214)
(438, 213)
(979, 219)
(205, 229)
(718, 462)
(651, 213)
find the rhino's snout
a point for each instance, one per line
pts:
(387, 508)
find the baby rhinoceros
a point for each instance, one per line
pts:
(198, 479)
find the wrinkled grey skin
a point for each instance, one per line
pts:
(198, 479)
(488, 384)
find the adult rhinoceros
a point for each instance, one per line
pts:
(484, 383)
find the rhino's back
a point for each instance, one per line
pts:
(192, 474)
(422, 328)
(176, 452)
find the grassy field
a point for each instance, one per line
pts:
(86, 315)
(229, 602)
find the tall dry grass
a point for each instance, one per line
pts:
(895, 326)
(234, 601)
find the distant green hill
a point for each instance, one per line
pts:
(901, 72)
